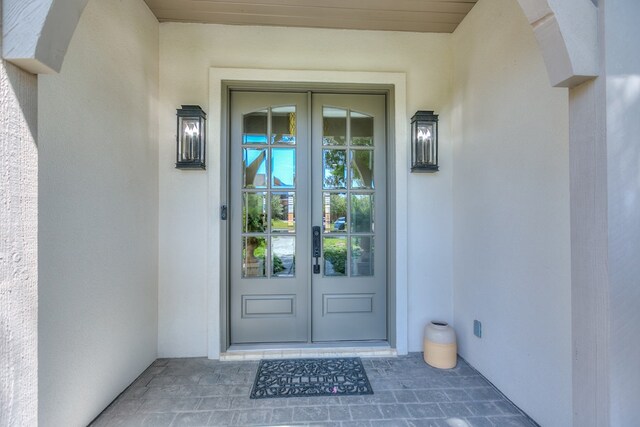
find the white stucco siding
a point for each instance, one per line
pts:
(18, 247)
(187, 51)
(511, 212)
(623, 207)
(98, 213)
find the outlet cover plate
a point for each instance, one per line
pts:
(477, 328)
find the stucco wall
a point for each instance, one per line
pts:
(98, 213)
(623, 187)
(511, 212)
(18, 246)
(187, 51)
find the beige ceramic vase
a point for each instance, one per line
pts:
(440, 348)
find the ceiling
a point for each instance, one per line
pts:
(437, 16)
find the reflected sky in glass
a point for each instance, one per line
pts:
(283, 167)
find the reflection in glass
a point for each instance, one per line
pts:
(254, 251)
(254, 129)
(335, 256)
(426, 146)
(254, 212)
(334, 169)
(362, 256)
(283, 256)
(189, 147)
(283, 167)
(334, 212)
(361, 168)
(334, 126)
(361, 129)
(362, 209)
(283, 218)
(283, 125)
(254, 166)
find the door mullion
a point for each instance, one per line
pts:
(310, 213)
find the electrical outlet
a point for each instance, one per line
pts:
(477, 328)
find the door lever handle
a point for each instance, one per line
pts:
(316, 249)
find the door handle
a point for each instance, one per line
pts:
(316, 248)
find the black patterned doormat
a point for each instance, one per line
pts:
(310, 377)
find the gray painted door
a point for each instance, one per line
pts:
(348, 193)
(285, 179)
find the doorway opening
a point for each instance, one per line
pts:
(306, 241)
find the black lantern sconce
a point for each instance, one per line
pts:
(424, 142)
(191, 138)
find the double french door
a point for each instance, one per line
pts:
(307, 218)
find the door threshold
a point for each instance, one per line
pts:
(295, 351)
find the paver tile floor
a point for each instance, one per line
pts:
(407, 392)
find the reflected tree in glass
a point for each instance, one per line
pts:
(361, 168)
(334, 212)
(254, 213)
(283, 212)
(362, 213)
(335, 256)
(334, 169)
(362, 256)
(253, 255)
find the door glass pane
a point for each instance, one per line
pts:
(254, 166)
(253, 256)
(334, 126)
(254, 212)
(283, 167)
(362, 256)
(362, 209)
(361, 129)
(283, 125)
(255, 127)
(283, 215)
(283, 261)
(335, 256)
(334, 170)
(334, 212)
(361, 168)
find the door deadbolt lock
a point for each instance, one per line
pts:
(316, 249)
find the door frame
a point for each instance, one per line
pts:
(393, 85)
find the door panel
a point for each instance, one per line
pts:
(348, 201)
(269, 218)
(282, 184)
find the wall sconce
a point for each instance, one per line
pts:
(191, 137)
(424, 142)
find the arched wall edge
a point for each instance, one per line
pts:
(567, 33)
(37, 33)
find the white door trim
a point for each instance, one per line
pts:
(215, 149)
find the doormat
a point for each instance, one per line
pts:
(343, 376)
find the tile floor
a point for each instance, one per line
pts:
(407, 392)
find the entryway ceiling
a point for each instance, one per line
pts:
(437, 16)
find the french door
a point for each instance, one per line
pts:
(307, 217)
